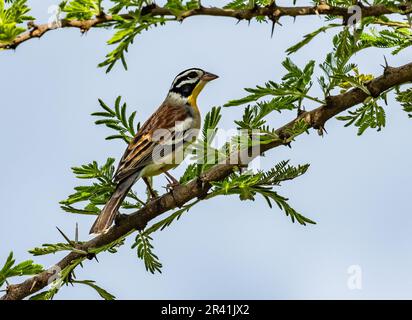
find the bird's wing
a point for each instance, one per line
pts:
(139, 152)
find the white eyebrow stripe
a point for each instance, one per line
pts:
(186, 73)
(186, 81)
(180, 76)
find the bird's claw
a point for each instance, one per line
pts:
(171, 185)
(172, 182)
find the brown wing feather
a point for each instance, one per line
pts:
(139, 152)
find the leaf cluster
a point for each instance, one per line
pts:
(25, 268)
(369, 115)
(11, 16)
(66, 277)
(405, 98)
(145, 252)
(295, 85)
(82, 9)
(117, 119)
(248, 186)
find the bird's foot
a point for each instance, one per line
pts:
(172, 182)
(171, 185)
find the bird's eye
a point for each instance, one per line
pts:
(192, 75)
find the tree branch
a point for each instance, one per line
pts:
(273, 12)
(200, 186)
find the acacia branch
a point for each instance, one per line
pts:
(199, 187)
(273, 12)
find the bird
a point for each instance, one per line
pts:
(159, 144)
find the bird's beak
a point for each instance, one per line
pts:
(209, 77)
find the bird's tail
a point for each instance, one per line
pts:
(110, 210)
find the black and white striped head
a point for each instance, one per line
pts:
(187, 81)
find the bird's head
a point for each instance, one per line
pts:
(188, 84)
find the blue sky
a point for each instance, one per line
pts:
(357, 188)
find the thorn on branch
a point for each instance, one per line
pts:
(301, 110)
(91, 256)
(70, 242)
(273, 28)
(275, 20)
(320, 127)
(314, 121)
(76, 234)
(321, 130)
(386, 68)
(71, 276)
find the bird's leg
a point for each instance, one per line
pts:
(149, 187)
(173, 182)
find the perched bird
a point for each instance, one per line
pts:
(158, 145)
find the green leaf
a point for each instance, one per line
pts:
(10, 18)
(370, 115)
(295, 86)
(145, 252)
(127, 30)
(309, 37)
(248, 185)
(237, 4)
(103, 293)
(169, 220)
(82, 9)
(191, 172)
(90, 197)
(354, 82)
(48, 248)
(210, 124)
(64, 277)
(254, 116)
(118, 120)
(405, 98)
(24, 268)
(400, 39)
